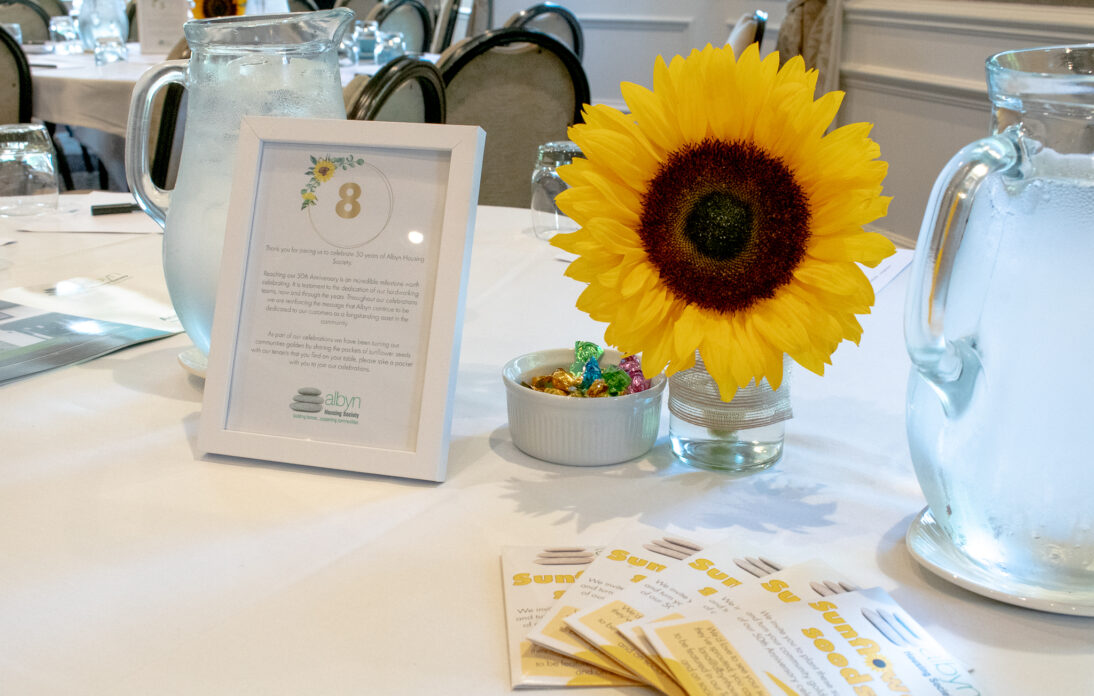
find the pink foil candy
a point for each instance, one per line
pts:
(633, 367)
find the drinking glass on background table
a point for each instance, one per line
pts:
(389, 47)
(63, 34)
(28, 172)
(110, 45)
(14, 31)
(366, 33)
(547, 219)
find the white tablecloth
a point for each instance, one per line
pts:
(131, 564)
(77, 92)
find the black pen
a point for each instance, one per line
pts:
(114, 208)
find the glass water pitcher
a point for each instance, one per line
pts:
(268, 65)
(999, 325)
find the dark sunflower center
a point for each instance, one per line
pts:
(725, 224)
(720, 225)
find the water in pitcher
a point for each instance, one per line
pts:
(1016, 457)
(199, 205)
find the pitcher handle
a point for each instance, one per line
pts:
(950, 366)
(151, 198)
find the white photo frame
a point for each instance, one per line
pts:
(336, 335)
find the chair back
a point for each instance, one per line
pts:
(15, 89)
(409, 90)
(32, 19)
(53, 8)
(524, 89)
(482, 17)
(131, 18)
(168, 124)
(360, 7)
(411, 18)
(749, 29)
(460, 19)
(552, 19)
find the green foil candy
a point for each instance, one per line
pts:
(583, 352)
(617, 380)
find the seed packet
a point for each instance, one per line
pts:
(534, 578)
(849, 643)
(713, 570)
(637, 554)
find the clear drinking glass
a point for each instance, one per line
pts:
(110, 47)
(28, 172)
(547, 219)
(63, 35)
(389, 47)
(366, 34)
(13, 30)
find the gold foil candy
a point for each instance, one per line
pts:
(561, 379)
(598, 388)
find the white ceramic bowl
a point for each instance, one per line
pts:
(578, 432)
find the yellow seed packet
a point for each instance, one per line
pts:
(716, 569)
(533, 579)
(849, 644)
(633, 557)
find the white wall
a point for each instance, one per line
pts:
(916, 70)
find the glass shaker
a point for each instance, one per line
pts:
(547, 219)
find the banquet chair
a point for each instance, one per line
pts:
(460, 19)
(482, 17)
(410, 18)
(31, 18)
(53, 8)
(167, 121)
(408, 90)
(360, 7)
(352, 91)
(552, 19)
(15, 87)
(524, 88)
(748, 30)
(131, 18)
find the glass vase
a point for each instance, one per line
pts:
(738, 436)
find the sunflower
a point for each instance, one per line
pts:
(719, 217)
(324, 170)
(205, 9)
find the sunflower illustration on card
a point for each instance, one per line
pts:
(348, 200)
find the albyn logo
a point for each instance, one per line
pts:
(312, 400)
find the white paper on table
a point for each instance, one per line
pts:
(103, 298)
(75, 216)
(886, 271)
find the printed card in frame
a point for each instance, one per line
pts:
(340, 301)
